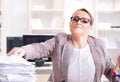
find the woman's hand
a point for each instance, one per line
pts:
(117, 66)
(17, 51)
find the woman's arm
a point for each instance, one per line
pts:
(35, 50)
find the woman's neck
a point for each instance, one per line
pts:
(79, 41)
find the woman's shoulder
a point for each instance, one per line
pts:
(96, 40)
(62, 37)
(62, 34)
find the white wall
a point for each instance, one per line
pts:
(15, 19)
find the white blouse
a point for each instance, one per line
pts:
(81, 66)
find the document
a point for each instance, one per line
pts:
(16, 69)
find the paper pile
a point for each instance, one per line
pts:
(16, 69)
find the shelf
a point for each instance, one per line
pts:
(47, 13)
(46, 16)
(108, 5)
(108, 11)
(109, 30)
(49, 22)
(42, 3)
(46, 10)
(46, 31)
(108, 18)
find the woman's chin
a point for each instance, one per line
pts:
(78, 33)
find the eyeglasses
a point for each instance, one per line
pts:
(82, 20)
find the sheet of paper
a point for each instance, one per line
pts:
(16, 69)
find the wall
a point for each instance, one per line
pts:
(15, 18)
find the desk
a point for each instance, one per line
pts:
(43, 72)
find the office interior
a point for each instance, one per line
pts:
(27, 21)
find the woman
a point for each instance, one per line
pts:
(77, 57)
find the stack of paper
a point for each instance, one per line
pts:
(16, 69)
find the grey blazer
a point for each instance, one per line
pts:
(60, 49)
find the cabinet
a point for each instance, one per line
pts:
(53, 16)
(46, 16)
(108, 25)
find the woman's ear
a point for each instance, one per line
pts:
(91, 27)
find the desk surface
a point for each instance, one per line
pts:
(43, 72)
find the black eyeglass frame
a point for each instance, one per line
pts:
(79, 19)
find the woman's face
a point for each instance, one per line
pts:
(80, 23)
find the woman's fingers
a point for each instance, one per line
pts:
(17, 51)
(20, 52)
(12, 51)
(117, 66)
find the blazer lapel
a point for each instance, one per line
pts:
(67, 52)
(96, 57)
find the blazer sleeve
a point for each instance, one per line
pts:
(39, 50)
